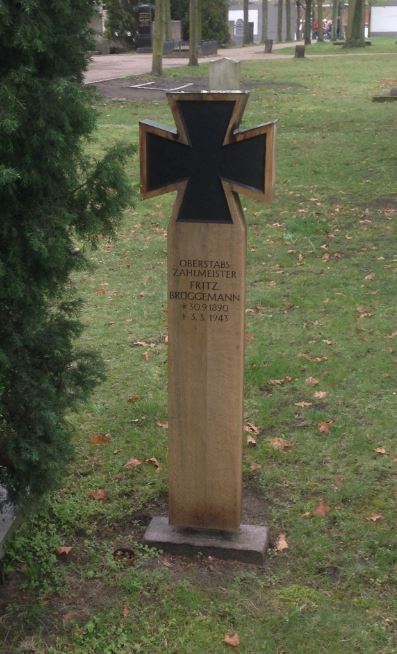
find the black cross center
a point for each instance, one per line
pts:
(206, 162)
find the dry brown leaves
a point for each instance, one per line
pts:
(281, 543)
(325, 426)
(321, 510)
(99, 495)
(100, 439)
(281, 444)
(232, 639)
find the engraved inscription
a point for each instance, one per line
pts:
(201, 297)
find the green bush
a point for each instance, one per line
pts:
(53, 199)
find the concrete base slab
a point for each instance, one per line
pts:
(248, 544)
(386, 96)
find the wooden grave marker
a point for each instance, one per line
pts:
(208, 161)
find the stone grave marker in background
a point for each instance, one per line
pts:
(208, 162)
(224, 75)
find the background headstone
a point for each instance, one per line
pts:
(224, 75)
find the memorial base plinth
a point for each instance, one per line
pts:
(248, 544)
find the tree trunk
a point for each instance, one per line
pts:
(167, 20)
(280, 21)
(193, 25)
(199, 21)
(288, 19)
(308, 22)
(158, 40)
(335, 4)
(298, 20)
(355, 37)
(246, 40)
(320, 32)
(265, 20)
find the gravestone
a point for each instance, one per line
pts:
(208, 162)
(145, 19)
(299, 52)
(224, 75)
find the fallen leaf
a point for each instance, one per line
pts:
(321, 510)
(280, 382)
(255, 467)
(392, 335)
(370, 277)
(133, 398)
(101, 291)
(63, 550)
(251, 440)
(338, 481)
(249, 337)
(162, 423)
(251, 428)
(232, 639)
(303, 404)
(141, 344)
(327, 341)
(133, 463)
(306, 514)
(364, 313)
(98, 495)
(145, 356)
(317, 358)
(281, 543)
(381, 450)
(320, 395)
(165, 339)
(100, 439)
(311, 381)
(375, 517)
(280, 444)
(141, 294)
(153, 461)
(326, 257)
(125, 612)
(325, 426)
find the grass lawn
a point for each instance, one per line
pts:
(320, 386)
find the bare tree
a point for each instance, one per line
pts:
(308, 22)
(280, 20)
(320, 29)
(355, 37)
(246, 39)
(193, 32)
(265, 21)
(158, 40)
(288, 36)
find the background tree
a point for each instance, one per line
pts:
(246, 37)
(121, 21)
(355, 36)
(288, 20)
(265, 21)
(193, 33)
(308, 23)
(53, 199)
(279, 20)
(158, 38)
(320, 30)
(213, 17)
(167, 20)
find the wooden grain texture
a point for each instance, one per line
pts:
(206, 267)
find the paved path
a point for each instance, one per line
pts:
(107, 67)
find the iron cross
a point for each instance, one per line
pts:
(205, 154)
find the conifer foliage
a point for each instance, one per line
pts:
(53, 200)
